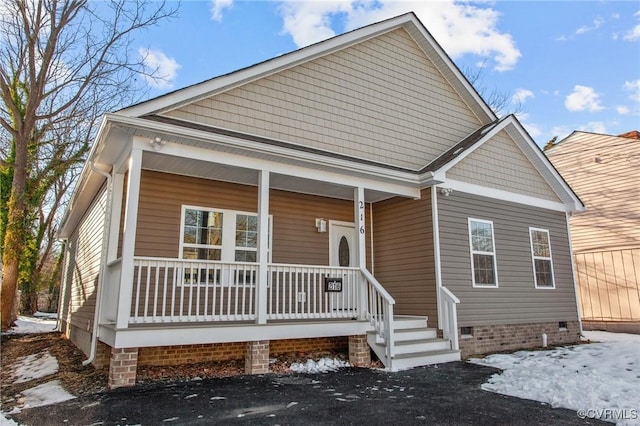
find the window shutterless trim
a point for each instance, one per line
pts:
(534, 258)
(492, 254)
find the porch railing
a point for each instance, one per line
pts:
(299, 292)
(449, 317)
(380, 311)
(176, 290)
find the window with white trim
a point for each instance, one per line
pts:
(220, 235)
(483, 254)
(541, 254)
(201, 234)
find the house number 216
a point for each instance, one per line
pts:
(361, 213)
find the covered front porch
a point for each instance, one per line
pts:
(207, 244)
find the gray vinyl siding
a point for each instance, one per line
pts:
(403, 254)
(516, 300)
(382, 100)
(83, 272)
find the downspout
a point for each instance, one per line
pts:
(103, 263)
(573, 272)
(63, 281)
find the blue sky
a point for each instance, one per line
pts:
(570, 65)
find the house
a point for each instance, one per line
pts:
(357, 193)
(603, 170)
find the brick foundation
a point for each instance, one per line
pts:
(359, 351)
(190, 354)
(498, 338)
(122, 367)
(123, 363)
(103, 355)
(320, 344)
(256, 360)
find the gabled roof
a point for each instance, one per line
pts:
(524, 141)
(408, 21)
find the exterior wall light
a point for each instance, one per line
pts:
(321, 224)
(446, 191)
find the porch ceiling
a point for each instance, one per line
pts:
(160, 162)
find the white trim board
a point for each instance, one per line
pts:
(500, 194)
(533, 154)
(408, 21)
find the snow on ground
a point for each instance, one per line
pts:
(34, 366)
(598, 380)
(40, 323)
(44, 394)
(323, 365)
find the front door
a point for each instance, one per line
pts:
(342, 239)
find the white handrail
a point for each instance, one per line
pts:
(380, 312)
(450, 317)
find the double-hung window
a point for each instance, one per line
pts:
(222, 235)
(541, 253)
(483, 253)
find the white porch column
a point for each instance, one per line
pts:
(436, 252)
(129, 239)
(361, 251)
(116, 210)
(263, 246)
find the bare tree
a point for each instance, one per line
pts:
(498, 100)
(63, 63)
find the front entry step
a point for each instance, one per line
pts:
(415, 345)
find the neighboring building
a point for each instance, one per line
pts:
(343, 195)
(604, 172)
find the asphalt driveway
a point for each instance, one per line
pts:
(446, 394)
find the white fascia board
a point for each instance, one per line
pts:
(464, 154)
(329, 175)
(528, 147)
(269, 67)
(490, 115)
(402, 183)
(82, 180)
(500, 194)
(538, 154)
(189, 334)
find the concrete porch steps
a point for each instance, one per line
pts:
(415, 345)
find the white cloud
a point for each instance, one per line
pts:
(521, 96)
(460, 27)
(634, 33)
(634, 88)
(217, 6)
(594, 127)
(597, 23)
(160, 70)
(533, 129)
(583, 98)
(623, 110)
(561, 131)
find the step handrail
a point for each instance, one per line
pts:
(380, 311)
(450, 317)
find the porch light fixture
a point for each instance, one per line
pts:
(446, 191)
(321, 224)
(157, 143)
